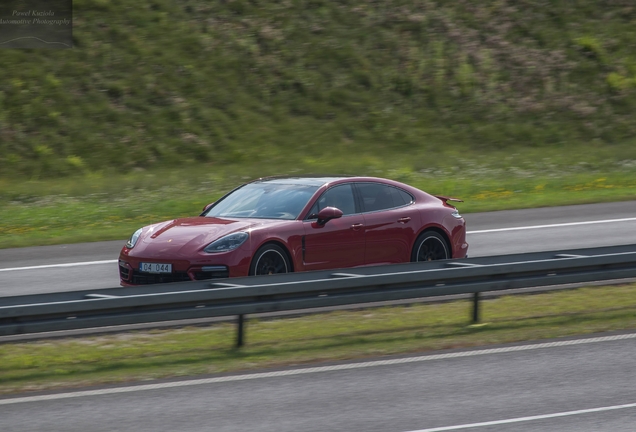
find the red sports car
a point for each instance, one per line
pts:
(280, 225)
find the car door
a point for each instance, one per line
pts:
(339, 242)
(390, 223)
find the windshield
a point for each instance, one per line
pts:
(264, 200)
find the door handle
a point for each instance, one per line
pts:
(404, 220)
(357, 226)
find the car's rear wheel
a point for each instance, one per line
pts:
(430, 246)
(270, 259)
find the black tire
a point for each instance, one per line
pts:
(270, 259)
(430, 246)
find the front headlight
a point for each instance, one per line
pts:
(227, 243)
(133, 239)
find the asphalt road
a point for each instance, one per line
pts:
(35, 270)
(562, 385)
(577, 385)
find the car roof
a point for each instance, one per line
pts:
(303, 181)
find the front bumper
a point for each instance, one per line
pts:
(129, 275)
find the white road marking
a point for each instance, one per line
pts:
(86, 263)
(312, 370)
(468, 232)
(525, 419)
(552, 225)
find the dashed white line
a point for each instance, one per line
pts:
(552, 225)
(526, 419)
(305, 371)
(86, 263)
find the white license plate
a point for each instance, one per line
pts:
(155, 267)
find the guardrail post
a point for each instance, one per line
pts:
(239, 336)
(476, 307)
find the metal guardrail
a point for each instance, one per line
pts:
(306, 290)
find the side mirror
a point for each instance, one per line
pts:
(206, 208)
(328, 213)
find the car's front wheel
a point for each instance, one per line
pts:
(430, 246)
(270, 259)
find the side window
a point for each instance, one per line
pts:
(376, 196)
(408, 198)
(340, 197)
(400, 197)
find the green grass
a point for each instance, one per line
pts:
(163, 105)
(342, 335)
(102, 207)
(314, 83)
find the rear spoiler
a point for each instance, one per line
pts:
(445, 198)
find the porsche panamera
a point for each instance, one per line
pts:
(281, 225)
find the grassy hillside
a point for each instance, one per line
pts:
(323, 85)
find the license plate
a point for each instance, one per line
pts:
(155, 267)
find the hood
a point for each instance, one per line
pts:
(183, 237)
